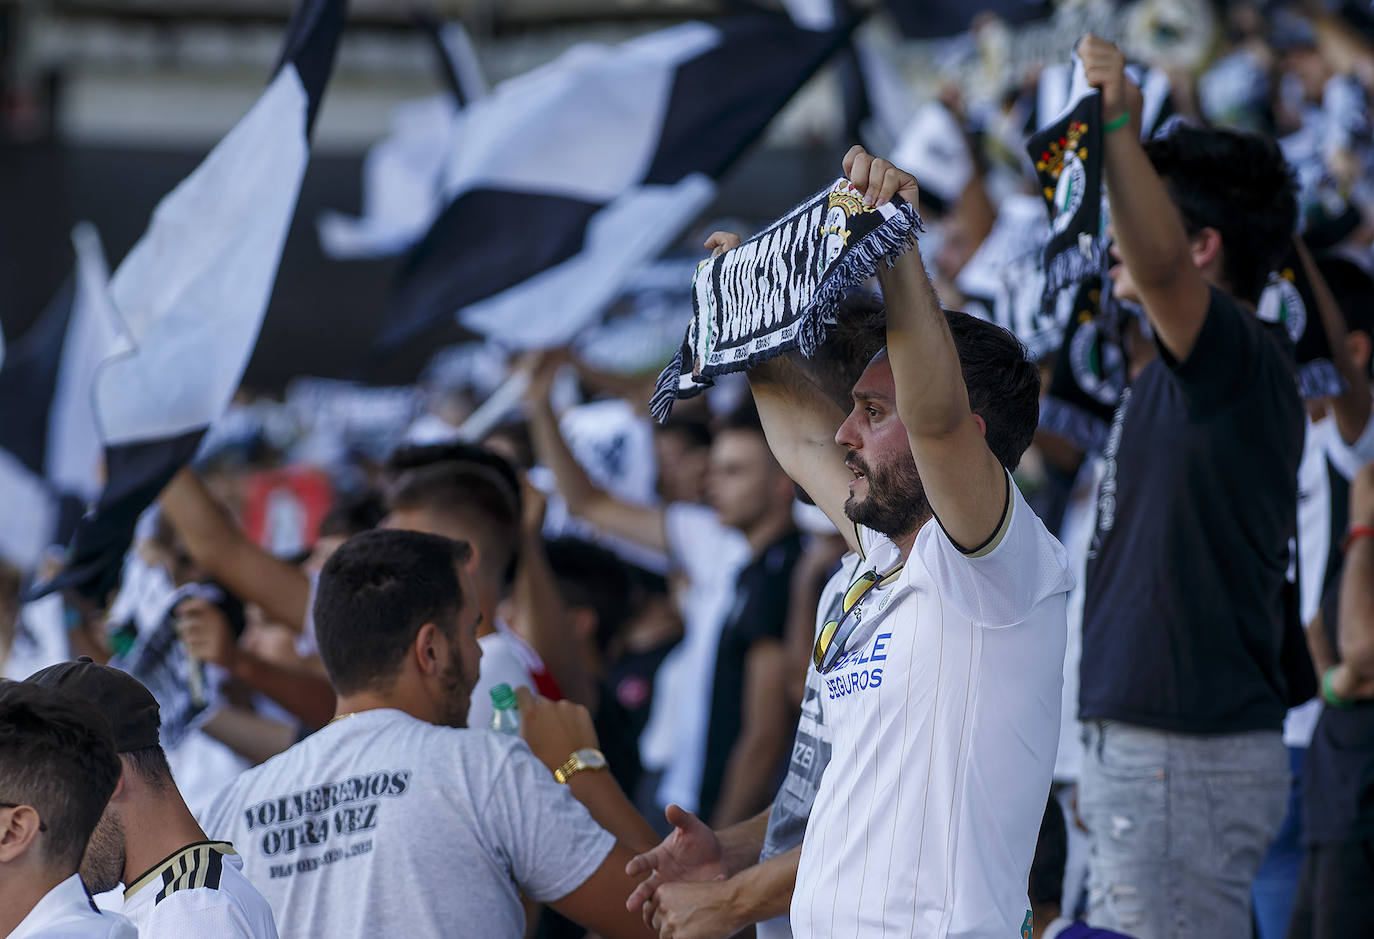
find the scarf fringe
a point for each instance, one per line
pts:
(666, 389)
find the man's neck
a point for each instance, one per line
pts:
(1041, 917)
(160, 826)
(906, 542)
(488, 599)
(767, 530)
(20, 893)
(351, 704)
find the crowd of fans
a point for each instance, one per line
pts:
(275, 746)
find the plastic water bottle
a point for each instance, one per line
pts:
(506, 716)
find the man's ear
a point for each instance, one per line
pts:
(1359, 346)
(430, 650)
(1205, 247)
(982, 424)
(18, 833)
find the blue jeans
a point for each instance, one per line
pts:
(1277, 880)
(1179, 825)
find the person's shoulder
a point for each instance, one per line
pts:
(231, 908)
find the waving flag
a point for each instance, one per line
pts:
(188, 300)
(566, 179)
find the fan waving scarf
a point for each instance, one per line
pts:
(778, 290)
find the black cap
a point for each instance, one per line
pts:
(130, 708)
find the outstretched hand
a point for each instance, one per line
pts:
(1104, 65)
(691, 852)
(720, 242)
(877, 179)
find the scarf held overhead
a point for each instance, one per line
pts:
(778, 290)
(1068, 165)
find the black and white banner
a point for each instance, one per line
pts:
(565, 180)
(778, 290)
(188, 300)
(1288, 300)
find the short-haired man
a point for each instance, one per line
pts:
(177, 882)
(1183, 688)
(396, 820)
(57, 770)
(942, 675)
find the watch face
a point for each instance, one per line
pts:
(591, 759)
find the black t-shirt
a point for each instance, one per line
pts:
(1184, 617)
(1338, 774)
(759, 613)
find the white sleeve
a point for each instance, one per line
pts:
(201, 913)
(1348, 458)
(1002, 581)
(499, 666)
(552, 843)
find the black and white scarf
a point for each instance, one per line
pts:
(1089, 373)
(1067, 154)
(1288, 301)
(779, 289)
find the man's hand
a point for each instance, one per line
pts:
(1104, 65)
(1350, 686)
(694, 910)
(878, 179)
(542, 367)
(691, 852)
(720, 242)
(554, 729)
(205, 632)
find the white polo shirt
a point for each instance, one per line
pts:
(944, 723)
(66, 912)
(199, 891)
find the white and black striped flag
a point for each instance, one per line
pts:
(566, 179)
(49, 446)
(189, 298)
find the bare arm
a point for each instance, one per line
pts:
(251, 736)
(216, 544)
(540, 615)
(1148, 230)
(640, 524)
(554, 730)
(1352, 407)
(687, 910)
(749, 775)
(205, 632)
(599, 903)
(1355, 632)
(964, 483)
(799, 420)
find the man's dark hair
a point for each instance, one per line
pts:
(1051, 855)
(471, 492)
(416, 456)
(374, 594)
(858, 334)
(151, 765)
(745, 417)
(57, 756)
(352, 514)
(694, 433)
(1238, 184)
(589, 575)
(1003, 384)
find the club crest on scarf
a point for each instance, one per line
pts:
(1089, 372)
(1289, 301)
(1067, 156)
(778, 290)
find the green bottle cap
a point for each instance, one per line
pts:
(502, 697)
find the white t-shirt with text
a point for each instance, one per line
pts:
(943, 721)
(381, 824)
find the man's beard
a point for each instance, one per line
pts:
(102, 866)
(457, 691)
(896, 503)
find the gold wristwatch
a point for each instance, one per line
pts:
(581, 759)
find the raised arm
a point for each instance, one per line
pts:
(1351, 408)
(1354, 676)
(216, 544)
(1148, 230)
(964, 483)
(640, 524)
